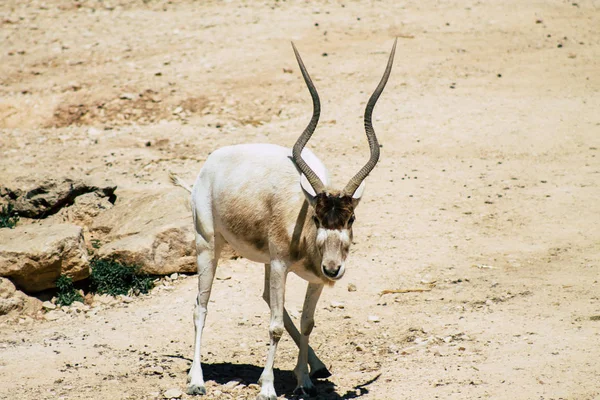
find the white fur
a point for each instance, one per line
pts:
(255, 182)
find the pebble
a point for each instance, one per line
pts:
(337, 304)
(373, 318)
(52, 315)
(157, 369)
(174, 276)
(48, 305)
(231, 384)
(351, 287)
(172, 394)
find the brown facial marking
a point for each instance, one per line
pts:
(333, 211)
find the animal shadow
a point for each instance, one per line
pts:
(285, 381)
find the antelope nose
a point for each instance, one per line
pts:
(332, 271)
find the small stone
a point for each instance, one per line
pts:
(157, 370)
(373, 318)
(231, 384)
(254, 386)
(52, 315)
(337, 304)
(126, 96)
(447, 339)
(174, 276)
(216, 394)
(489, 302)
(359, 347)
(48, 305)
(173, 394)
(351, 287)
(126, 299)
(178, 110)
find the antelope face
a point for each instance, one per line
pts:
(333, 218)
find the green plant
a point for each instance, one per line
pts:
(66, 293)
(8, 216)
(112, 277)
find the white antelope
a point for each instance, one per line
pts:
(274, 206)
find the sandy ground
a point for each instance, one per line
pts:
(486, 194)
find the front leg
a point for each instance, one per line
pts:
(305, 385)
(276, 301)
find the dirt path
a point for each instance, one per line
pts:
(486, 193)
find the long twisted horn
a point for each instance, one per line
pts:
(373, 144)
(312, 178)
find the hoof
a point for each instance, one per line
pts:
(305, 391)
(195, 390)
(321, 373)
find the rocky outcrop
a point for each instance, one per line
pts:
(39, 200)
(13, 301)
(34, 256)
(152, 229)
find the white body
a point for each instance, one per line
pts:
(258, 182)
(254, 198)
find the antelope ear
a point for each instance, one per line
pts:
(358, 194)
(309, 191)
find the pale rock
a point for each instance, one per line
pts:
(337, 304)
(173, 394)
(351, 287)
(14, 302)
(40, 200)
(53, 315)
(152, 229)
(48, 305)
(174, 276)
(373, 318)
(231, 384)
(34, 256)
(156, 370)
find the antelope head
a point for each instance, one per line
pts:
(334, 209)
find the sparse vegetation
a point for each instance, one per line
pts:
(66, 292)
(113, 277)
(8, 216)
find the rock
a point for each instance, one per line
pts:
(174, 276)
(173, 394)
(48, 305)
(13, 301)
(40, 200)
(53, 315)
(373, 318)
(351, 287)
(84, 209)
(337, 304)
(156, 370)
(152, 229)
(34, 256)
(231, 384)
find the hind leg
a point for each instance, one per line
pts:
(207, 257)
